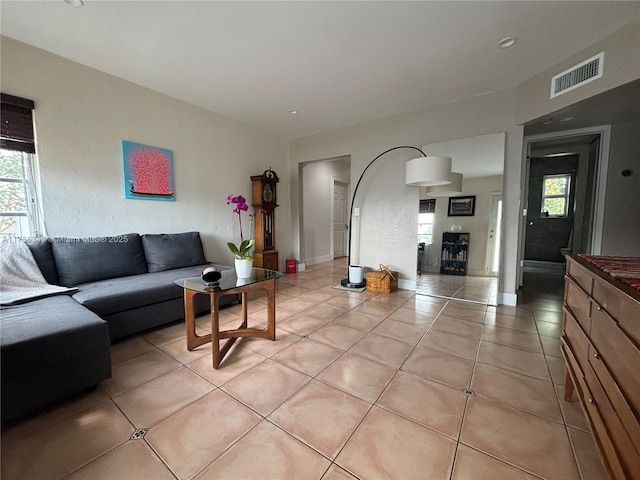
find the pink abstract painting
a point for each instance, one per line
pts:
(148, 172)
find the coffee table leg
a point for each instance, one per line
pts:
(270, 287)
(193, 339)
(215, 330)
(231, 336)
(190, 319)
(245, 310)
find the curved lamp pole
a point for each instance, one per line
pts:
(346, 282)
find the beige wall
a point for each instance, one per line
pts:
(621, 219)
(621, 65)
(621, 231)
(386, 230)
(81, 117)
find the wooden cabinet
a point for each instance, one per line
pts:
(600, 339)
(455, 247)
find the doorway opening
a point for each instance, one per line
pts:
(324, 200)
(562, 167)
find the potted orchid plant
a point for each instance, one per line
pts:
(244, 261)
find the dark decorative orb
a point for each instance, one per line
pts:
(211, 274)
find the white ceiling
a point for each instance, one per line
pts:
(338, 63)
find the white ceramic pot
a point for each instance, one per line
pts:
(243, 268)
(356, 274)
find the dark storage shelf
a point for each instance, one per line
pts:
(453, 260)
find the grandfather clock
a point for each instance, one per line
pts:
(264, 202)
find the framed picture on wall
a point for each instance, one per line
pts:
(148, 172)
(462, 206)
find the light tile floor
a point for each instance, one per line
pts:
(476, 289)
(358, 385)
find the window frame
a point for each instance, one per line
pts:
(432, 223)
(566, 195)
(17, 137)
(427, 206)
(26, 220)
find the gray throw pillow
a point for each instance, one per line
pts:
(84, 260)
(166, 251)
(43, 254)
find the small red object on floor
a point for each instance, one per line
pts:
(291, 265)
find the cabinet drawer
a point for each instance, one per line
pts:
(575, 337)
(580, 275)
(598, 427)
(620, 306)
(616, 361)
(573, 368)
(578, 302)
(597, 403)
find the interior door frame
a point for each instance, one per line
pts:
(335, 180)
(498, 227)
(600, 190)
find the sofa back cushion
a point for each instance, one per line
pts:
(166, 251)
(89, 260)
(43, 254)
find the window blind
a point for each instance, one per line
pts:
(428, 206)
(16, 129)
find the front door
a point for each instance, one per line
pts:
(493, 242)
(339, 219)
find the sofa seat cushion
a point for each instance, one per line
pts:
(167, 251)
(108, 297)
(50, 330)
(81, 260)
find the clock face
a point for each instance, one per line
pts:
(267, 193)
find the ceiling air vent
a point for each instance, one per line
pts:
(576, 76)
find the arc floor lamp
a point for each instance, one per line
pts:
(423, 171)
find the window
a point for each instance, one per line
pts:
(16, 195)
(426, 218)
(555, 195)
(19, 212)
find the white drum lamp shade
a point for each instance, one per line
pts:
(428, 171)
(451, 190)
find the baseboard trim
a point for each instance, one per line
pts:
(404, 284)
(317, 260)
(510, 299)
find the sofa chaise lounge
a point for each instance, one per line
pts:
(58, 345)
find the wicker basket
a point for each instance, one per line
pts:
(382, 280)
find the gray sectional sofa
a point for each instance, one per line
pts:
(59, 345)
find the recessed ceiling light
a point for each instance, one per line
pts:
(75, 3)
(507, 42)
(566, 119)
(293, 111)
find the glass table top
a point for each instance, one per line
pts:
(228, 281)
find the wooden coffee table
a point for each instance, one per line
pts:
(229, 284)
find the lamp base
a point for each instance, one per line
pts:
(347, 284)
